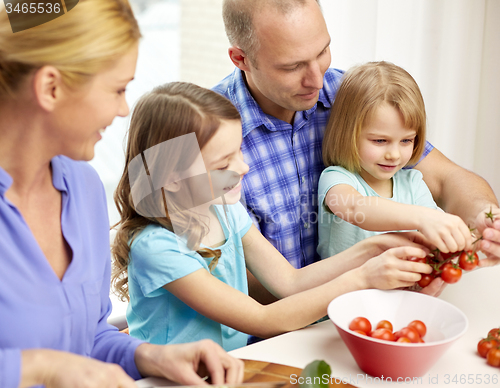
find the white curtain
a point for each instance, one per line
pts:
(452, 49)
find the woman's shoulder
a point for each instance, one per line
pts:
(75, 172)
(80, 181)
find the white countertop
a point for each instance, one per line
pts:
(476, 295)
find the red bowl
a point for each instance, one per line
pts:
(445, 324)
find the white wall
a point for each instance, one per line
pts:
(204, 58)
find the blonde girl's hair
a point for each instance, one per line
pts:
(167, 112)
(80, 44)
(363, 89)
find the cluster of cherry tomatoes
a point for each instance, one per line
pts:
(413, 332)
(448, 266)
(489, 347)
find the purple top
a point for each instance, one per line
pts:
(37, 310)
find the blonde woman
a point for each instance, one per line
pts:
(377, 127)
(61, 84)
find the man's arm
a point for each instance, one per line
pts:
(461, 192)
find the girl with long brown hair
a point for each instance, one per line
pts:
(185, 240)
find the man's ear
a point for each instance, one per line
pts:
(239, 58)
(47, 83)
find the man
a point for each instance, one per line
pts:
(284, 89)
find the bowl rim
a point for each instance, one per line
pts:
(402, 344)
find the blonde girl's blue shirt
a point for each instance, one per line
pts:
(335, 234)
(156, 259)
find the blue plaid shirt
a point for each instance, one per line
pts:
(280, 190)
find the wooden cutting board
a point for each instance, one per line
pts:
(261, 371)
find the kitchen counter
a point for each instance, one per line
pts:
(476, 295)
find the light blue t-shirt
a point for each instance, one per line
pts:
(157, 316)
(335, 234)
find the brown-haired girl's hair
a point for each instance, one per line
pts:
(81, 43)
(166, 113)
(364, 88)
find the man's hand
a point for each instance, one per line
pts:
(184, 363)
(435, 288)
(488, 225)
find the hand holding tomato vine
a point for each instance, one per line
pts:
(488, 225)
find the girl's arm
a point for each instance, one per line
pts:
(445, 231)
(307, 291)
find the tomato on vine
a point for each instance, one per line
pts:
(468, 260)
(425, 280)
(493, 357)
(451, 273)
(495, 333)
(485, 345)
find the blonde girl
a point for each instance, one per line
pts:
(182, 258)
(376, 128)
(61, 84)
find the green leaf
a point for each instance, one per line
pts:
(316, 375)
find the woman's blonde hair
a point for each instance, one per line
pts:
(166, 113)
(81, 43)
(364, 88)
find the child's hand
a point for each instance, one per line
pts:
(446, 231)
(392, 270)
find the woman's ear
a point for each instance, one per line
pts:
(47, 84)
(239, 58)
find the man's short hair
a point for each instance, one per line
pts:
(238, 21)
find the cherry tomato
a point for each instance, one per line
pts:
(494, 333)
(384, 324)
(408, 332)
(403, 339)
(468, 260)
(418, 259)
(425, 280)
(493, 357)
(484, 346)
(361, 323)
(360, 332)
(419, 326)
(446, 256)
(383, 334)
(450, 273)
